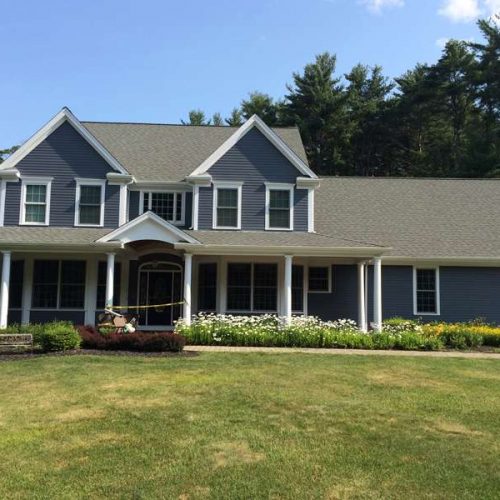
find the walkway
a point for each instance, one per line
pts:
(359, 352)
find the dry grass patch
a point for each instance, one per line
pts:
(235, 453)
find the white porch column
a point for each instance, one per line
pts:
(4, 300)
(110, 280)
(377, 293)
(188, 265)
(361, 297)
(287, 288)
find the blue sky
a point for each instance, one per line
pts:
(154, 60)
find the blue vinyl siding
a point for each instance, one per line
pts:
(466, 293)
(133, 204)
(253, 161)
(64, 155)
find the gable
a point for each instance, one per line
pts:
(254, 159)
(64, 153)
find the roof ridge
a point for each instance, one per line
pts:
(174, 125)
(366, 177)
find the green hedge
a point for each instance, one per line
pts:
(53, 336)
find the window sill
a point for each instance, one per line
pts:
(222, 228)
(88, 225)
(426, 314)
(33, 224)
(279, 228)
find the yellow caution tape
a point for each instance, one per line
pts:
(145, 307)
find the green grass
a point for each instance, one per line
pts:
(249, 426)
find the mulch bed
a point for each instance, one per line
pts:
(95, 352)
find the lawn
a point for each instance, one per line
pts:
(226, 425)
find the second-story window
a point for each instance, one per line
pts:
(168, 206)
(35, 202)
(227, 206)
(89, 202)
(279, 203)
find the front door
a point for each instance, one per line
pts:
(160, 284)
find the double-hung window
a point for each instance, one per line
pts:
(59, 284)
(35, 201)
(168, 205)
(426, 290)
(320, 279)
(279, 206)
(252, 287)
(90, 202)
(227, 206)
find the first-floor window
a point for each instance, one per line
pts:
(319, 279)
(207, 287)
(297, 289)
(101, 283)
(252, 287)
(167, 205)
(426, 291)
(59, 284)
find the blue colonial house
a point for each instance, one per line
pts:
(233, 220)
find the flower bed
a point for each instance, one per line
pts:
(138, 341)
(272, 331)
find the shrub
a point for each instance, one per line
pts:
(56, 336)
(137, 341)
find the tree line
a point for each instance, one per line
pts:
(439, 120)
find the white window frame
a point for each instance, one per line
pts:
(59, 285)
(89, 182)
(330, 279)
(35, 181)
(437, 291)
(149, 192)
(275, 186)
(238, 186)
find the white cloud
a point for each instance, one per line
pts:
(377, 5)
(460, 10)
(492, 7)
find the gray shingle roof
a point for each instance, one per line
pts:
(153, 152)
(50, 235)
(277, 239)
(422, 218)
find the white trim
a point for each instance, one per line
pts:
(91, 290)
(362, 324)
(64, 115)
(307, 183)
(238, 186)
(437, 291)
(377, 294)
(115, 235)
(196, 205)
(310, 210)
(5, 283)
(122, 217)
(90, 182)
(277, 142)
(35, 181)
(287, 288)
(177, 193)
(27, 289)
(3, 192)
(330, 279)
(276, 186)
(188, 273)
